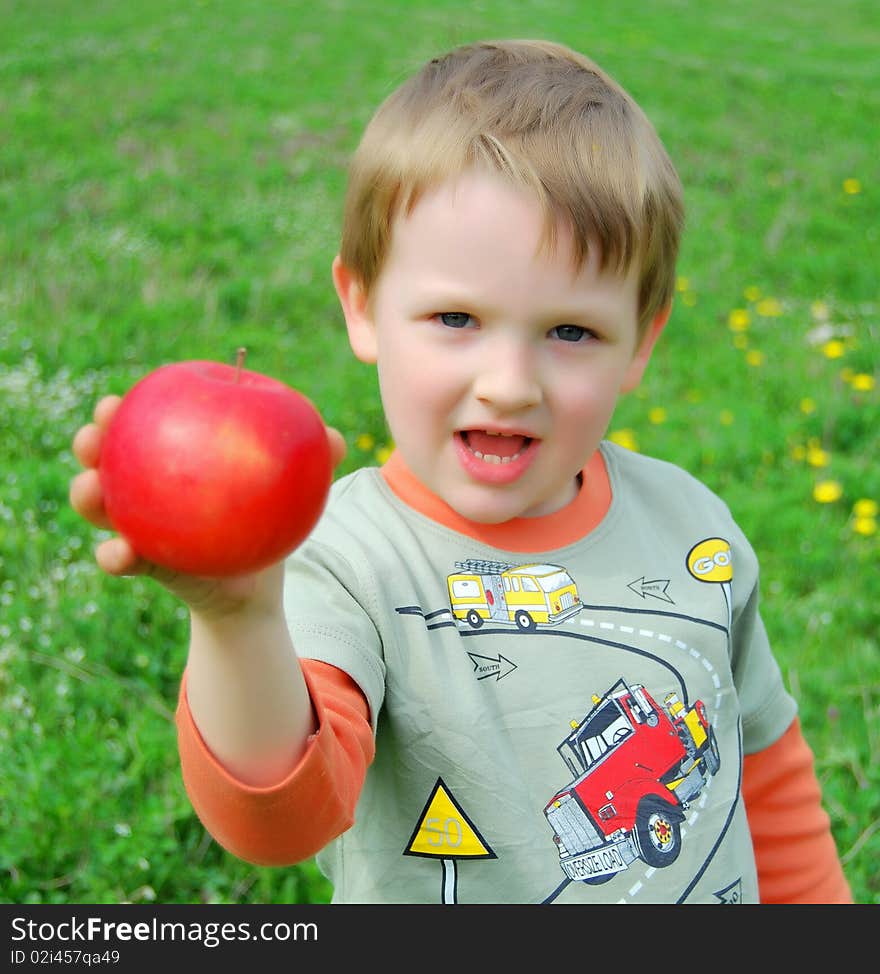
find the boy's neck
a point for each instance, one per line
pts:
(563, 527)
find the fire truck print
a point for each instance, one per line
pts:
(525, 596)
(636, 766)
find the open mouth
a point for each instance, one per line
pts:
(498, 448)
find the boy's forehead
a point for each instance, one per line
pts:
(468, 211)
(480, 241)
(484, 197)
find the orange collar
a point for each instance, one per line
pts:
(556, 530)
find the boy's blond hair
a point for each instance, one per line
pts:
(549, 119)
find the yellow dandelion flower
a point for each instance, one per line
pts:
(365, 442)
(834, 349)
(682, 284)
(817, 457)
(769, 308)
(383, 453)
(808, 406)
(739, 319)
(865, 507)
(755, 358)
(657, 415)
(726, 417)
(827, 491)
(752, 293)
(625, 438)
(862, 382)
(865, 525)
(852, 186)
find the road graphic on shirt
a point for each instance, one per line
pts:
(445, 832)
(647, 720)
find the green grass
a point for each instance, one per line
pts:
(170, 187)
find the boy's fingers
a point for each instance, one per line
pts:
(87, 445)
(337, 445)
(86, 498)
(105, 409)
(117, 557)
(87, 440)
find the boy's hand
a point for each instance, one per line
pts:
(116, 556)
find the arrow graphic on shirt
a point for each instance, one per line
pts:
(655, 588)
(485, 666)
(731, 893)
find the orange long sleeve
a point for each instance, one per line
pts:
(290, 821)
(794, 849)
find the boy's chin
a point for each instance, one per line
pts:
(492, 506)
(479, 506)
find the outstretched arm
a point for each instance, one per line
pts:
(245, 688)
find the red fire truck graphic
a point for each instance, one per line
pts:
(636, 766)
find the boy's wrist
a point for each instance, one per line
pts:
(246, 600)
(241, 616)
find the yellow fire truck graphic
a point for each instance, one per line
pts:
(525, 596)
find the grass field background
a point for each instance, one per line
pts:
(171, 176)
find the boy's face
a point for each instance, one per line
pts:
(499, 366)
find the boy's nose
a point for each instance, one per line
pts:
(507, 379)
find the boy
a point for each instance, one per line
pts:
(486, 708)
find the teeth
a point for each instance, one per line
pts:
(494, 458)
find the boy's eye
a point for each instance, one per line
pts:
(570, 333)
(454, 319)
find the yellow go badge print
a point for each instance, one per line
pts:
(711, 561)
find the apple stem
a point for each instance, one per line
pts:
(239, 363)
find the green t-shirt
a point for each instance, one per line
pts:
(563, 726)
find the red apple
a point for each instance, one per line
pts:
(211, 469)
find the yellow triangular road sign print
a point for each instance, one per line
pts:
(444, 830)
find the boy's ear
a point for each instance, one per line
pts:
(643, 353)
(356, 308)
